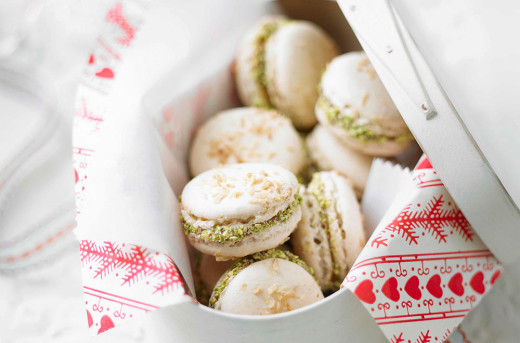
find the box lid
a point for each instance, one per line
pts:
(436, 60)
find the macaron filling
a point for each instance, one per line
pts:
(226, 233)
(317, 189)
(359, 131)
(247, 261)
(258, 67)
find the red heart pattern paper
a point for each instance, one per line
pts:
(434, 286)
(477, 282)
(412, 288)
(389, 289)
(455, 285)
(365, 292)
(495, 277)
(105, 73)
(105, 324)
(90, 321)
(424, 268)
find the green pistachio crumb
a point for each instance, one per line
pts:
(361, 132)
(258, 67)
(223, 233)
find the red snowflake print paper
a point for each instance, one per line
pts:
(424, 268)
(122, 281)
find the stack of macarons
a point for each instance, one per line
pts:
(248, 196)
(357, 120)
(245, 212)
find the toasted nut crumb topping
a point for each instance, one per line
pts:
(242, 145)
(278, 299)
(275, 267)
(365, 66)
(258, 186)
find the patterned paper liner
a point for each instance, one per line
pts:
(150, 275)
(424, 268)
(120, 280)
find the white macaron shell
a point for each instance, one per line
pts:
(246, 192)
(351, 84)
(267, 287)
(247, 134)
(310, 241)
(296, 55)
(335, 227)
(329, 153)
(330, 247)
(345, 220)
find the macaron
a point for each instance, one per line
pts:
(279, 64)
(266, 282)
(240, 209)
(355, 106)
(247, 134)
(328, 152)
(206, 272)
(330, 235)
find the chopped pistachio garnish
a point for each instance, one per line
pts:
(224, 233)
(244, 262)
(258, 67)
(361, 132)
